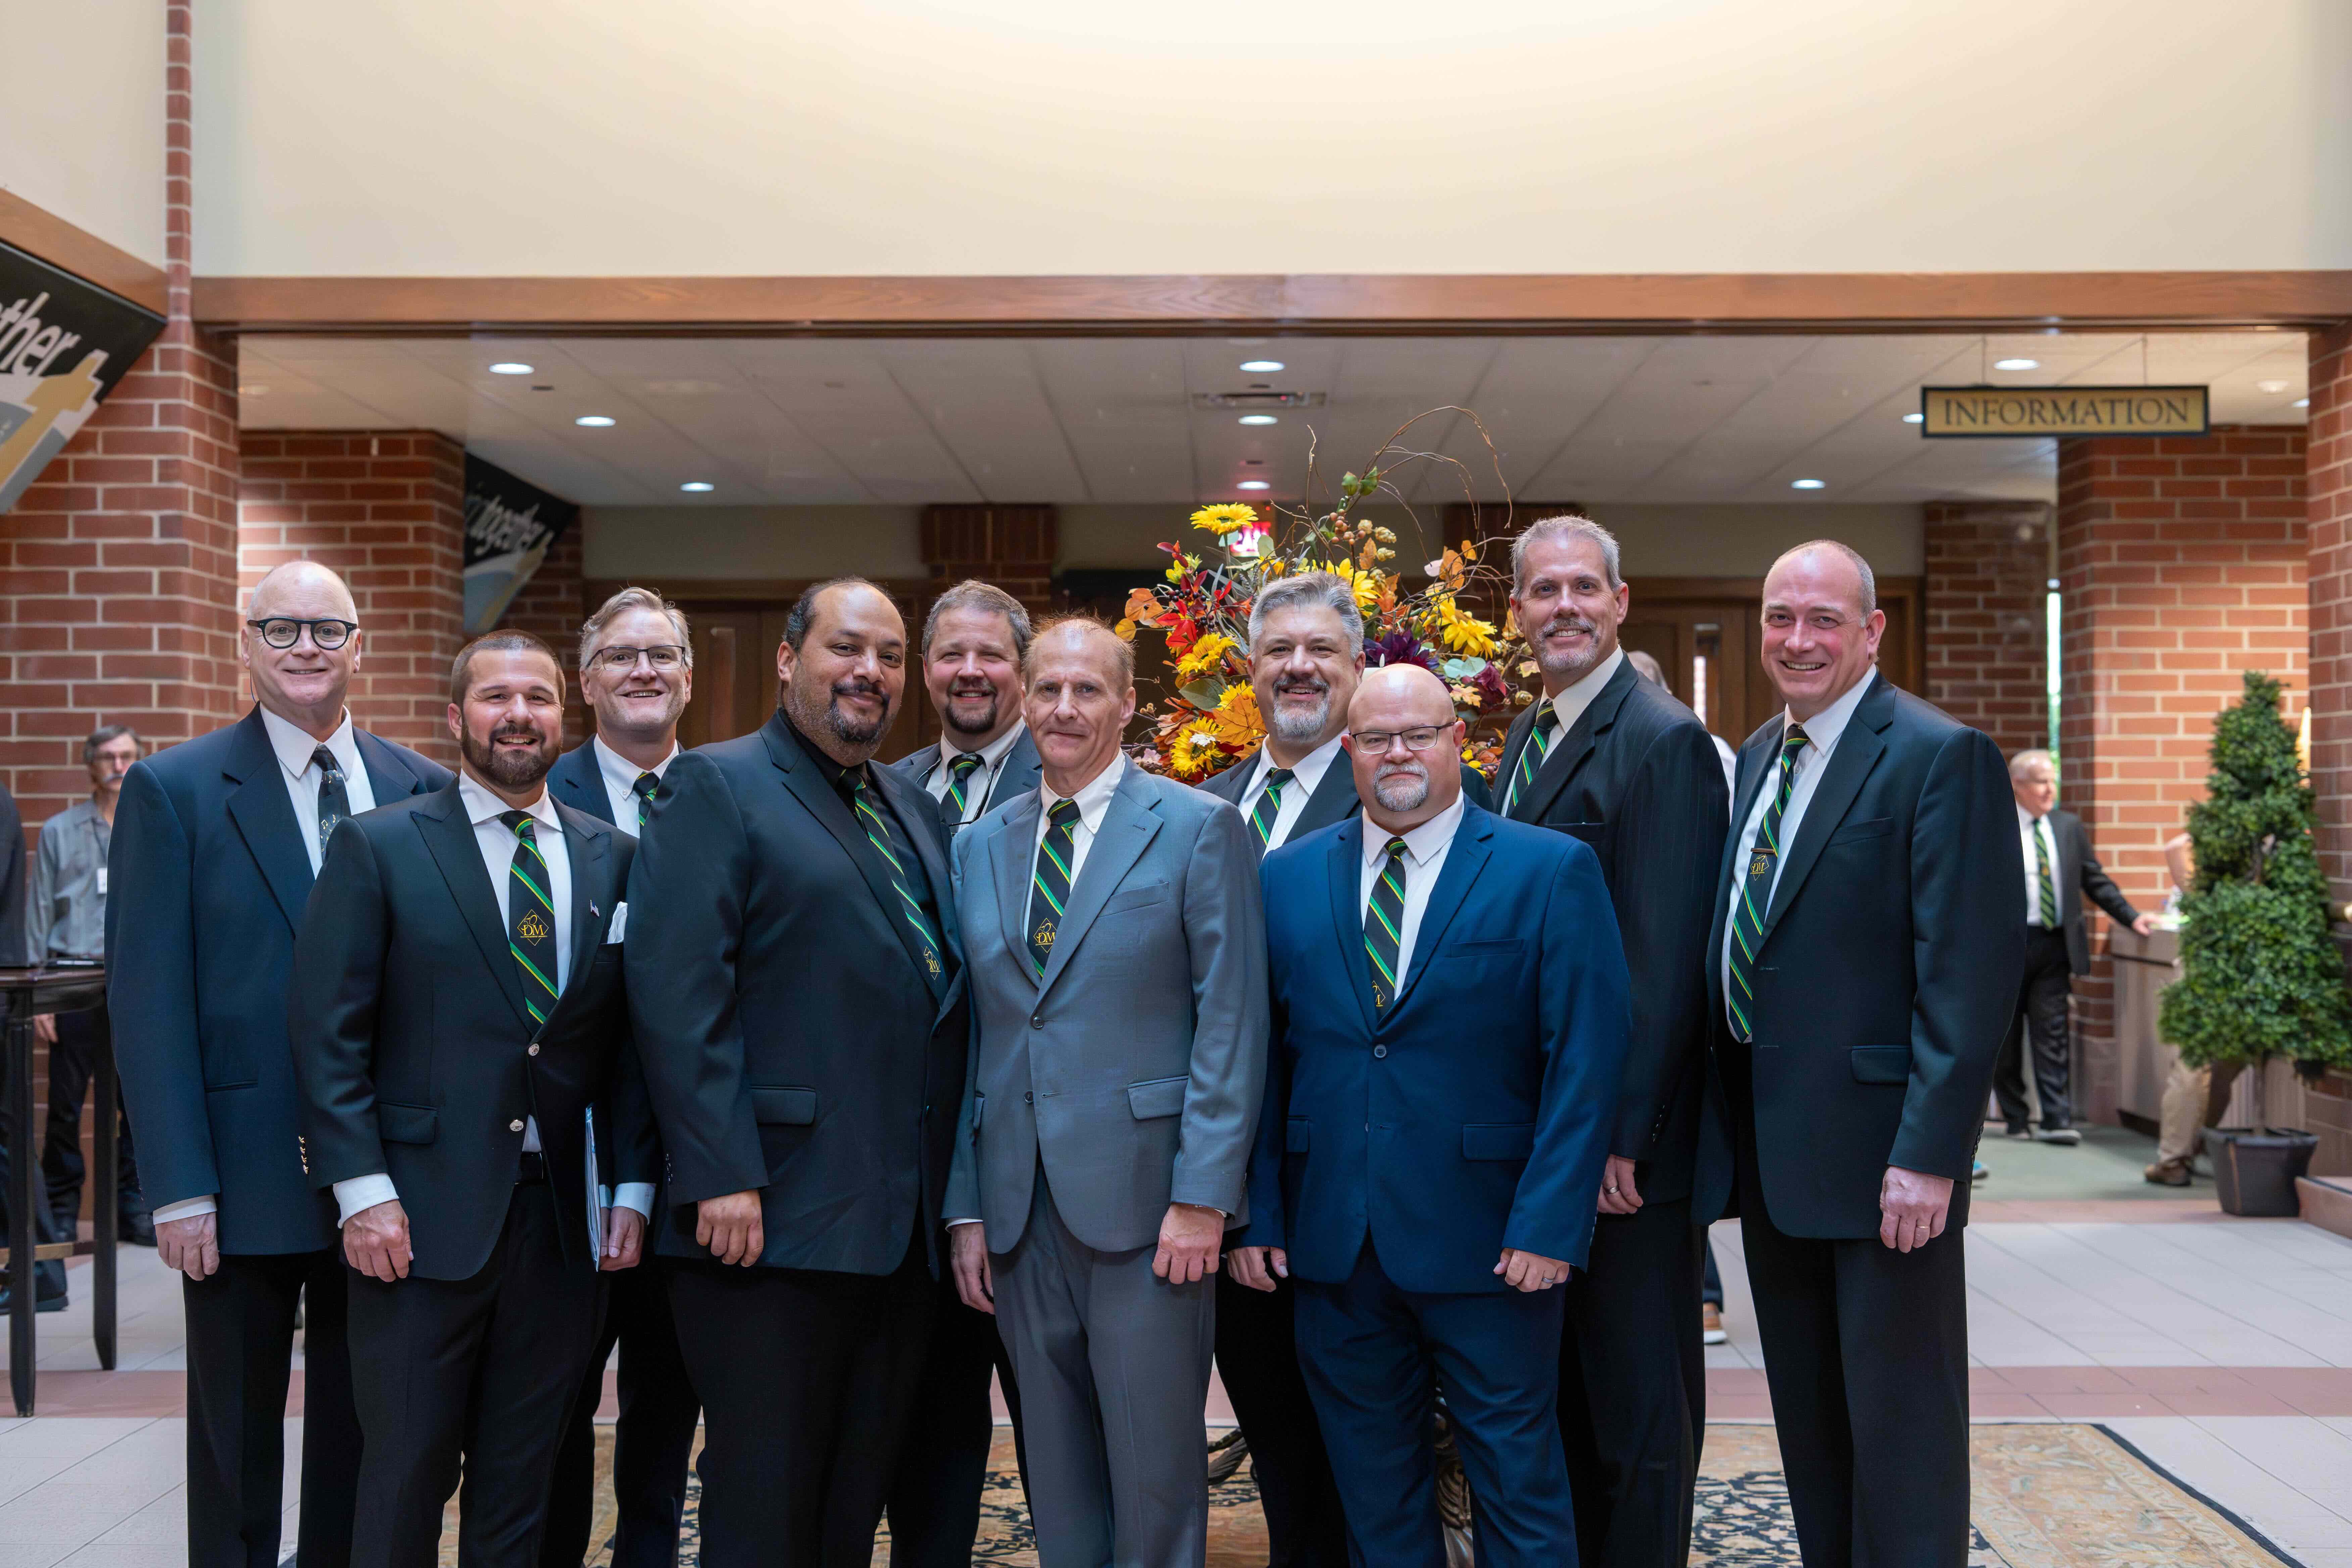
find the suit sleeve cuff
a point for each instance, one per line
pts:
(638, 1195)
(357, 1192)
(187, 1208)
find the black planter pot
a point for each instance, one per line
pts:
(2254, 1169)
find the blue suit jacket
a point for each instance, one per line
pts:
(1474, 1113)
(577, 781)
(209, 882)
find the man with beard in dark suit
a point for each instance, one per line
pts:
(636, 669)
(216, 842)
(1610, 759)
(796, 981)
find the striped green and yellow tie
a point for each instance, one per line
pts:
(2045, 886)
(1049, 884)
(1267, 810)
(530, 916)
(1755, 878)
(876, 823)
(1384, 926)
(1532, 754)
(649, 785)
(955, 807)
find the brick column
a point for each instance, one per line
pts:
(118, 569)
(2327, 468)
(2181, 563)
(1986, 617)
(551, 606)
(386, 509)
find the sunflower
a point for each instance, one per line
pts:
(1465, 634)
(1194, 749)
(1204, 658)
(1237, 720)
(1225, 517)
(1365, 586)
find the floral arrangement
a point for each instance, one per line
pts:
(1209, 717)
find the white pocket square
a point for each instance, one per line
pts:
(619, 928)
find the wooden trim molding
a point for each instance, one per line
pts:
(39, 232)
(1353, 303)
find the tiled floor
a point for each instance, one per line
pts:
(2221, 1348)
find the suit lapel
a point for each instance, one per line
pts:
(578, 784)
(388, 776)
(587, 839)
(1574, 747)
(1013, 850)
(450, 839)
(1345, 874)
(1858, 750)
(1333, 800)
(1021, 772)
(1127, 825)
(909, 805)
(822, 801)
(1750, 776)
(264, 819)
(1464, 859)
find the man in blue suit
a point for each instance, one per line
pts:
(217, 843)
(1450, 1017)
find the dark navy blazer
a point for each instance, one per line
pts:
(578, 783)
(209, 881)
(1474, 1113)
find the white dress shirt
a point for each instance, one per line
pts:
(1822, 731)
(497, 842)
(2029, 828)
(1424, 857)
(620, 776)
(294, 747)
(1306, 777)
(992, 762)
(1578, 695)
(1094, 799)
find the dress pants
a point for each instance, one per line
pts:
(1632, 1387)
(1113, 1363)
(2039, 1024)
(1258, 1357)
(479, 1373)
(934, 1504)
(1375, 1354)
(651, 1442)
(240, 1352)
(71, 1066)
(807, 1378)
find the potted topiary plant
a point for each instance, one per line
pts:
(2260, 975)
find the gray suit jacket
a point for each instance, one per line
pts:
(1134, 1069)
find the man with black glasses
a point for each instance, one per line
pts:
(217, 843)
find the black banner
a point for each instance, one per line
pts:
(510, 524)
(64, 344)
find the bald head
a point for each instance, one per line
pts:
(301, 588)
(1400, 787)
(302, 683)
(1822, 625)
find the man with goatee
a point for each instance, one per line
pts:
(796, 982)
(456, 1010)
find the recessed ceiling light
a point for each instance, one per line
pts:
(1915, 419)
(1254, 485)
(1261, 367)
(697, 486)
(1808, 484)
(2273, 386)
(510, 367)
(2017, 365)
(252, 389)
(2302, 403)
(1258, 419)
(594, 421)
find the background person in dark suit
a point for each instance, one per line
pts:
(796, 979)
(455, 1010)
(636, 669)
(1449, 1014)
(216, 842)
(1864, 961)
(2059, 870)
(1623, 766)
(974, 639)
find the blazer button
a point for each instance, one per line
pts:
(1036, 1020)
(534, 1050)
(514, 1126)
(1379, 1051)
(1028, 1098)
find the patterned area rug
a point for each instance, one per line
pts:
(2047, 1495)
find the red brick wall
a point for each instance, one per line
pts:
(2181, 563)
(551, 606)
(386, 510)
(1987, 569)
(2327, 466)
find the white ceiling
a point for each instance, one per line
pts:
(1107, 420)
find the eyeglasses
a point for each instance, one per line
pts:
(663, 657)
(1821, 621)
(284, 632)
(1379, 741)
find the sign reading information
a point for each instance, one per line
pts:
(63, 345)
(1980, 410)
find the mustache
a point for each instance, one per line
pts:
(856, 686)
(517, 727)
(1567, 622)
(1314, 683)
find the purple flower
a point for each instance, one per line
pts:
(1399, 647)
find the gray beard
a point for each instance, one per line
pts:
(1401, 791)
(1297, 729)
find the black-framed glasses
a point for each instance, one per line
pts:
(662, 657)
(1379, 741)
(285, 631)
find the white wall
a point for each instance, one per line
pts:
(750, 541)
(81, 120)
(748, 137)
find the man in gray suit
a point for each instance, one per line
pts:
(1116, 958)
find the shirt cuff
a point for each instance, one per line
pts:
(360, 1193)
(953, 1223)
(638, 1195)
(187, 1208)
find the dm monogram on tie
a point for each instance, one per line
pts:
(878, 829)
(1384, 926)
(1268, 809)
(1755, 891)
(2045, 887)
(1532, 754)
(531, 917)
(1049, 884)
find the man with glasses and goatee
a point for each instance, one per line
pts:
(636, 669)
(217, 843)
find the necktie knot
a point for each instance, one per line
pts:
(1795, 739)
(1546, 720)
(965, 765)
(645, 785)
(1063, 815)
(1396, 848)
(523, 824)
(1279, 777)
(324, 759)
